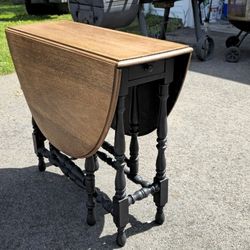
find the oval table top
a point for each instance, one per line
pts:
(70, 74)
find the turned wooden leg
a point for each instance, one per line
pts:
(90, 167)
(133, 162)
(161, 197)
(38, 142)
(120, 201)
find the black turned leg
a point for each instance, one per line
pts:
(161, 197)
(133, 162)
(120, 201)
(90, 167)
(38, 141)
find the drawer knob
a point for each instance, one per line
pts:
(148, 67)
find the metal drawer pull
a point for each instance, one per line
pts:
(148, 67)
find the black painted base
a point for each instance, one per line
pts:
(121, 237)
(41, 164)
(119, 206)
(159, 217)
(91, 220)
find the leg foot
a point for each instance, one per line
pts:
(41, 164)
(159, 217)
(121, 237)
(38, 141)
(91, 218)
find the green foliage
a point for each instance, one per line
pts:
(11, 15)
(154, 24)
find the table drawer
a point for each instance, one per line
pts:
(146, 69)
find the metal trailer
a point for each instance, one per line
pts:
(239, 16)
(44, 7)
(120, 13)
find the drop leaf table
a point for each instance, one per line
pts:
(79, 81)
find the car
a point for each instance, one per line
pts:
(44, 7)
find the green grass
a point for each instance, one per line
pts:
(11, 15)
(154, 25)
(16, 14)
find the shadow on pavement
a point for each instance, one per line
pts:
(48, 211)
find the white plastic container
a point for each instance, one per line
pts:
(215, 11)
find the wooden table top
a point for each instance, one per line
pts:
(71, 74)
(118, 47)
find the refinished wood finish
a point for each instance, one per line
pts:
(99, 42)
(71, 73)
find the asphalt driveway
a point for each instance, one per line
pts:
(208, 167)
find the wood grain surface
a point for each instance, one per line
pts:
(70, 74)
(72, 98)
(111, 44)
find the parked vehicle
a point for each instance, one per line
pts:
(44, 7)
